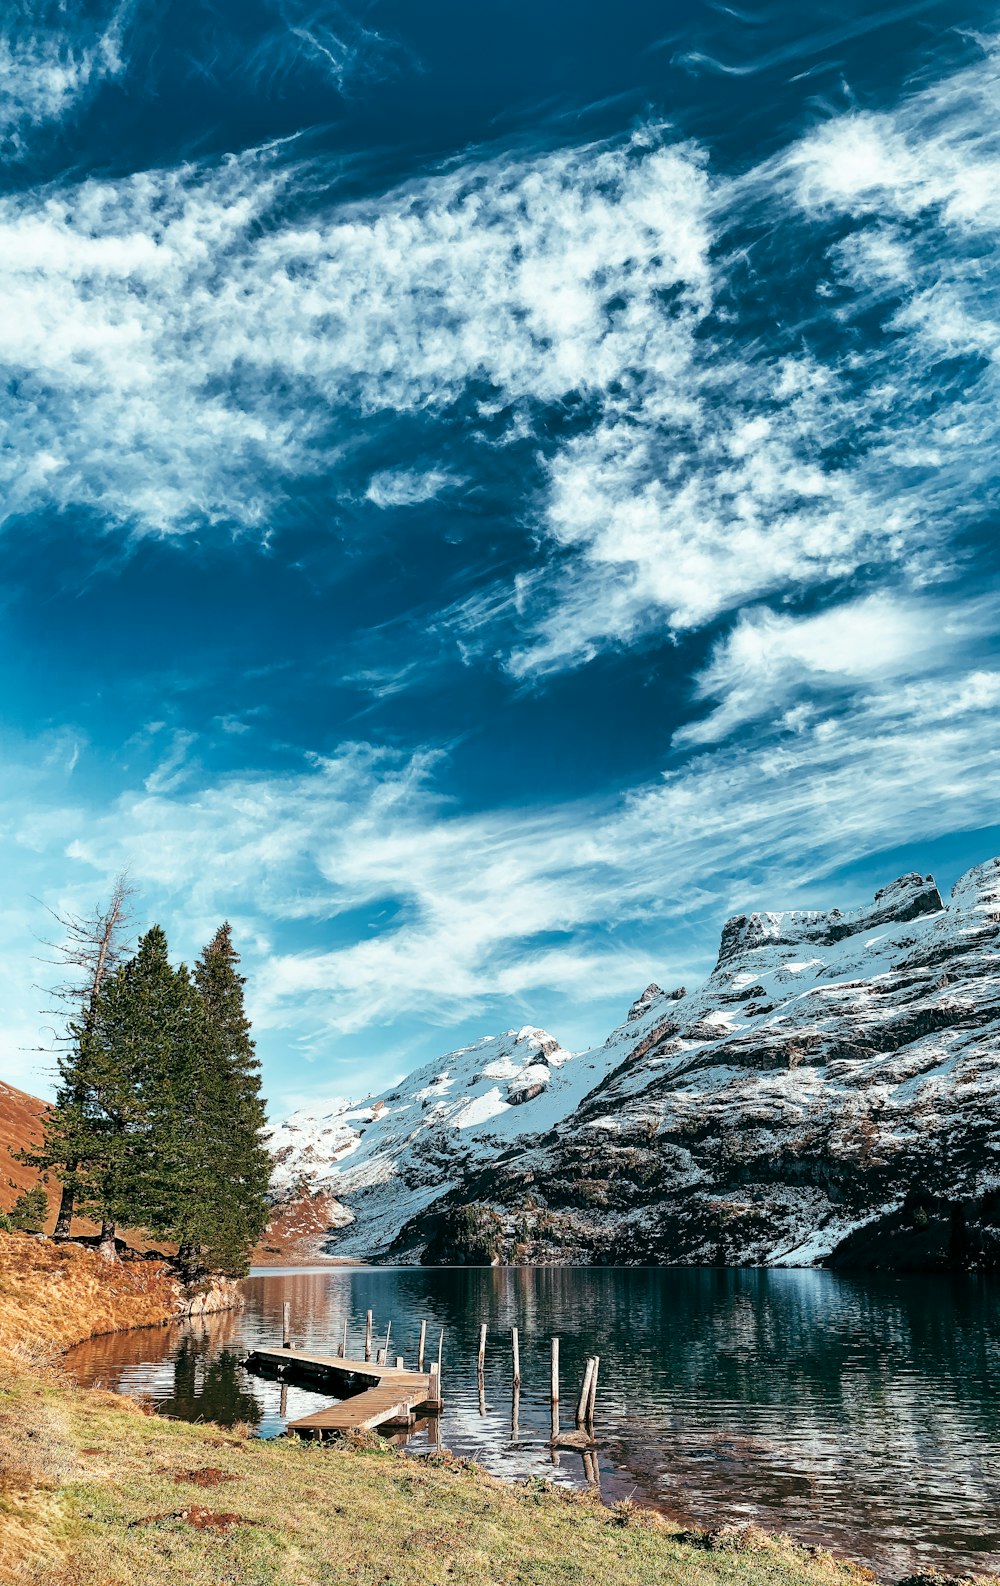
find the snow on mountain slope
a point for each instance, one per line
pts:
(832, 1091)
(387, 1158)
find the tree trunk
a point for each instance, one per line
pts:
(64, 1221)
(190, 1260)
(107, 1245)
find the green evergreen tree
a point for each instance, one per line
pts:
(137, 1053)
(228, 1161)
(30, 1212)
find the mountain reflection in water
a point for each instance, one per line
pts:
(857, 1413)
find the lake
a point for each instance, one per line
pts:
(858, 1413)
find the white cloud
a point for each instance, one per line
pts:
(189, 352)
(175, 767)
(404, 487)
(150, 315)
(771, 659)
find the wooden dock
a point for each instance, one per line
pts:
(391, 1396)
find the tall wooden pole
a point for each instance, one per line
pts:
(343, 1347)
(423, 1340)
(555, 1388)
(440, 1361)
(592, 1399)
(581, 1409)
(385, 1351)
(517, 1358)
(481, 1366)
(286, 1324)
(368, 1336)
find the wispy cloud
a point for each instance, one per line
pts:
(328, 37)
(771, 662)
(520, 903)
(192, 354)
(52, 55)
(405, 487)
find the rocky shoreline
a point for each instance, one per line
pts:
(205, 1299)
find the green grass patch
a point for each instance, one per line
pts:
(131, 1499)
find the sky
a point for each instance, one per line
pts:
(489, 492)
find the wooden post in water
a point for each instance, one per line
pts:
(368, 1336)
(286, 1324)
(385, 1351)
(400, 1363)
(481, 1367)
(440, 1360)
(380, 1357)
(555, 1388)
(592, 1398)
(581, 1409)
(342, 1351)
(423, 1340)
(434, 1390)
(517, 1358)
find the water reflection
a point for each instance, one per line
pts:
(859, 1413)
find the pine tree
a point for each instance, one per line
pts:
(89, 952)
(229, 1159)
(30, 1211)
(136, 1056)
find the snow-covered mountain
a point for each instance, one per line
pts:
(386, 1159)
(832, 1092)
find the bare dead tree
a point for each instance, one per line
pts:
(91, 948)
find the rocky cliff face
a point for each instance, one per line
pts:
(831, 1094)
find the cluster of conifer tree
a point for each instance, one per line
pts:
(158, 1116)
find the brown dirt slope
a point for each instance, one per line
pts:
(298, 1233)
(21, 1118)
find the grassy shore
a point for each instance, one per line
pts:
(96, 1491)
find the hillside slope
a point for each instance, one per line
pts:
(21, 1119)
(831, 1093)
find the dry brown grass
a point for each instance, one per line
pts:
(52, 1296)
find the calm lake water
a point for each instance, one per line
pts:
(859, 1413)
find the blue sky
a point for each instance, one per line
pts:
(489, 492)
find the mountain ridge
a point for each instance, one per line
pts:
(837, 1072)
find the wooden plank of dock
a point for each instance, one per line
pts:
(337, 1365)
(393, 1396)
(366, 1411)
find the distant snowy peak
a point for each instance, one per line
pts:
(304, 1146)
(903, 900)
(503, 1085)
(477, 1083)
(979, 888)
